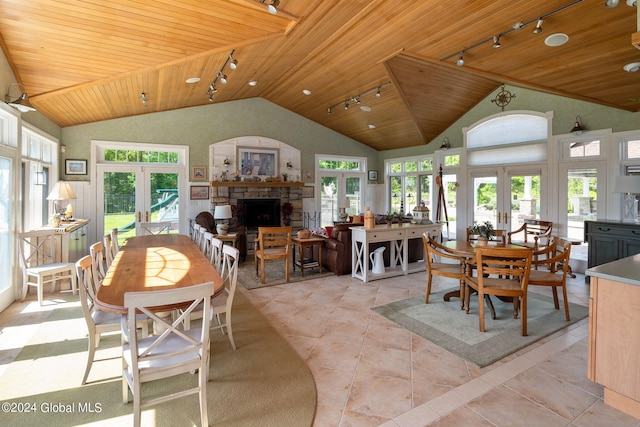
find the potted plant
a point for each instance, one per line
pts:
(286, 209)
(484, 231)
(389, 217)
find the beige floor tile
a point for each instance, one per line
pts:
(599, 414)
(385, 397)
(384, 361)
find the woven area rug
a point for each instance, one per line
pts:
(444, 324)
(274, 274)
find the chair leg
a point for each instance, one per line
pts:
(202, 382)
(256, 258)
(40, 291)
(523, 314)
(90, 355)
(566, 303)
(426, 299)
(556, 303)
(287, 267)
(481, 311)
(262, 269)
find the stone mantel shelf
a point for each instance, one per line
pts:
(256, 184)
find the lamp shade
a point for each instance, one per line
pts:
(222, 212)
(61, 191)
(627, 184)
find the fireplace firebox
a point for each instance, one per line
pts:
(260, 212)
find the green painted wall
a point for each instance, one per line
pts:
(565, 110)
(199, 127)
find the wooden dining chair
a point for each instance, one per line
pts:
(38, 262)
(153, 228)
(503, 272)
(533, 233)
(98, 322)
(273, 243)
(441, 262)
(500, 236)
(553, 270)
(173, 352)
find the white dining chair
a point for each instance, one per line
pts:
(38, 262)
(115, 246)
(175, 351)
(153, 228)
(108, 250)
(213, 249)
(98, 264)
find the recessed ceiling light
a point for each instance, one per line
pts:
(632, 67)
(557, 39)
(253, 82)
(306, 92)
(372, 126)
(365, 108)
(191, 80)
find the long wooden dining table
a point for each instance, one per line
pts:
(152, 263)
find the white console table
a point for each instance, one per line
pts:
(398, 236)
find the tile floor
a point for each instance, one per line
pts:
(371, 372)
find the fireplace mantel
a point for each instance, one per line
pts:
(260, 184)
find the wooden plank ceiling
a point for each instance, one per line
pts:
(90, 60)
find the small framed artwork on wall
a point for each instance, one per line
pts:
(199, 192)
(199, 172)
(75, 167)
(373, 175)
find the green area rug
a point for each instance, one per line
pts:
(263, 383)
(444, 324)
(274, 273)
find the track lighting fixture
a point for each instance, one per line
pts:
(538, 28)
(578, 129)
(538, 20)
(143, 98)
(357, 99)
(21, 103)
(221, 76)
(272, 5)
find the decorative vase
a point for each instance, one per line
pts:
(482, 241)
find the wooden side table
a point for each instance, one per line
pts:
(307, 243)
(231, 238)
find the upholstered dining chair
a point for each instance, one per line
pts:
(441, 262)
(273, 243)
(98, 321)
(38, 262)
(175, 351)
(503, 272)
(553, 271)
(153, 228)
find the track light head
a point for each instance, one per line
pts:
(223, 79)
(538, 28)
(378, 94)
(346, 105)
(233, 64)
(496, 41)
(329, 110)
(460, 61)
(611, 3)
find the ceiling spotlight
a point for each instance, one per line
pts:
(357, 100)
(538, 28)
(460, 61)
(143, 98)
(372, 126)
(496, 41)
(329, 110)
(632, 67)
(346, 105)
(611, 3)
(223, 79)
(378, 93)
(192, 80)
(578, 129)
(272, 6)
(253, 82)
(306, 92)
(233, 64)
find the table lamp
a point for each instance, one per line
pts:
(61, 191)
(630, 186)
(222, 212)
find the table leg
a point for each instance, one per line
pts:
(293, 257)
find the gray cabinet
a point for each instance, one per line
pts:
(611, 240)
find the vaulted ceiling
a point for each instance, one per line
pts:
(90, 60)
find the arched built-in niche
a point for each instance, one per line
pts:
(287, 157)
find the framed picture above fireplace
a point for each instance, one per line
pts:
(257, 161)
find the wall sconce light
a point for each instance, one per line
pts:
(578, 129)
(445, 144)
(21, 103)
(289, 164)
(226, 161)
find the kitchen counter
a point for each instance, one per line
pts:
(625, 270)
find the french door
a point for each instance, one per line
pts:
(6, 224)
(505, 196)
(340, 190)
(129, 195)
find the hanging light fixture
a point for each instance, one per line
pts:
(445, 144)
(22, 103)
(578, 129)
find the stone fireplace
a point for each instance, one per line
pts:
(263, 199)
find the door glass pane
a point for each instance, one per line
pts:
(485, 199)
(525, 199)
(450, 188)
(425, 192)
(354, 195)
(328, 200)
(164, 199)
(5, 222)
(120, 204)
(410, 191)
(396, 193)
(582, 200)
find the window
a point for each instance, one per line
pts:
(342, 183)
(410, 183)
(39, 155)
(141, 156)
